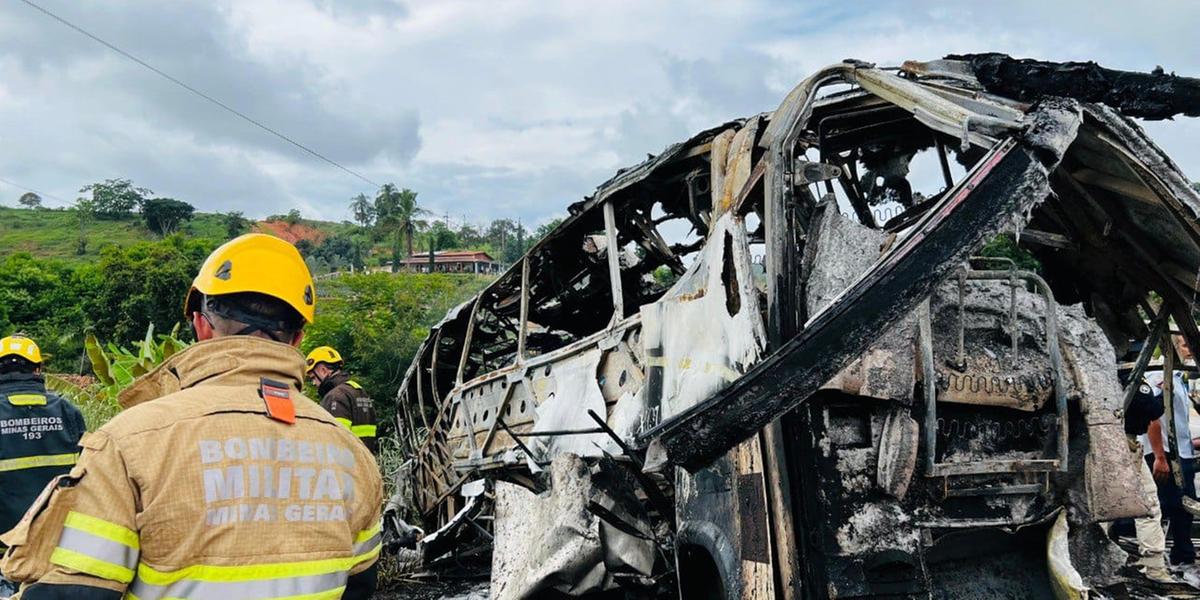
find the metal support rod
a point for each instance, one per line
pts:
(436, 348)
(509, 392)
(614, 262)
(1157, 327)
(421, 392)
(961, 359)
(462, 359)
(925, 332)
(516, 439)
(557, 432)
(468, 423)
(523, 330)
(480, 529)
(1012, 314)
(941, 150)
(1168, 391)
(653, 493)
(630, 452)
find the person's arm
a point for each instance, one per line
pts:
(79, 423)
(98, 550)
(338, 403)
(368, 522)
(361, 586)
(1161, 468)
(41, 591)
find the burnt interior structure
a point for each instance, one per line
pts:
(772, 357)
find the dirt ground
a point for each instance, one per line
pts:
(437, 590)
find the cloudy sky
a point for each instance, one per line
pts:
(491, 108)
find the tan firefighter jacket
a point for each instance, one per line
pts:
(195, 492)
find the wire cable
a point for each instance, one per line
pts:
(29, 189)
(197, 92)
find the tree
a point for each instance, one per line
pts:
(336, 251)
(43, 298)
(304, 247)
(360, 249)
(508, 238)
(293, 216)
(235, 223)
(468, 235)
(544, 229)
(142, 284)
(164, 215)
(30, 200)
(441, 236)
(85, 213)
(116, 198)
(363, 209)
(397, 211)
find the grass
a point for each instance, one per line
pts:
(54, 233)
(80, 390)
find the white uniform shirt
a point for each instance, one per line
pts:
(1183, 430)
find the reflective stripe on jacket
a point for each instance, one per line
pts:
(195, 492)
(350, 404)
(39, 438)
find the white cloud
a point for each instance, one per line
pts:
(511, 108)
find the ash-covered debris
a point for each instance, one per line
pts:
(1155, 95)
(587, 534)
(768, 362)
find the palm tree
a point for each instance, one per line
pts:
(396, 210)
(364, 211)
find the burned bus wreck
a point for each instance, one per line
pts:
(770, 362)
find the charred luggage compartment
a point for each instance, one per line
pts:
(864, 345)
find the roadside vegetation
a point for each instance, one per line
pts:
(100, 284)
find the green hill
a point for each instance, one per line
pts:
(54, 233)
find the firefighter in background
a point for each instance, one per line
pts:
(219, 479)
(39, 432)
(340, 395)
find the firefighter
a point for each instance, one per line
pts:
(39, 432)
(1142, 416)
(1182, 556)
(340, 395)
(219, 479)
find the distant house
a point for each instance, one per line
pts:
(450, 261)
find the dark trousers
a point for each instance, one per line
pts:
(1170, 497)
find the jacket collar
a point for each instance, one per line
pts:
(233, 360)
(15, 383)
(333, 381)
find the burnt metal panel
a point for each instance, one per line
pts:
(752, 512)
(1010, 181)
(1155, 95)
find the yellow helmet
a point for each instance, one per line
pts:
(16, 345)
(324, 354)
(260, 263)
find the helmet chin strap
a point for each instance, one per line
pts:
(273, 329)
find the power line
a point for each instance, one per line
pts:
(197, 92)
(29, 189)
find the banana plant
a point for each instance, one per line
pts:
(116, 367)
